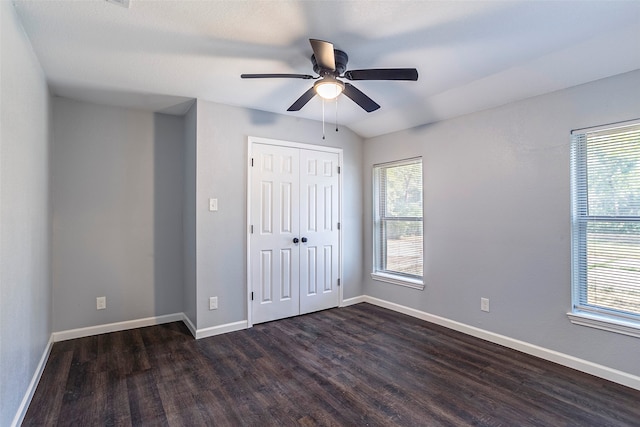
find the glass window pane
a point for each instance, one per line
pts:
(403, 253)
(403, 191)
(613, 166)
(613, 266)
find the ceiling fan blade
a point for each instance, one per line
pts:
(302, 101)
(360, 98)
(323, 51)
(276, 76)
(410, 74)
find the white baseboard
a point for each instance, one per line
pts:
(115, 327)
(214, 330)
(582, 365)
(189, 324)
(221, 329)
(149, 321)
(26, 400)
(351, 301)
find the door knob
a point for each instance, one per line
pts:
(304, 240)
(295, 240)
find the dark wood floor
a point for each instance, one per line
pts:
(360, 365)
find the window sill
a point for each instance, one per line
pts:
(399, 280)
(605, 323)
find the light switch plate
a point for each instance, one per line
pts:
(213, 205)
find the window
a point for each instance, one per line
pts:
(398, 223)
(606, 228)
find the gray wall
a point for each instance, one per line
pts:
(117, 184)
(222, 172)
(25, 291)
(497, 217)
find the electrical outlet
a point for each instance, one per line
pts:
(213, 303)
(484, 304)
(101, 303)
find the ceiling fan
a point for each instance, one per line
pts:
(330, 65)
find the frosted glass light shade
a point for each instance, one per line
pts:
(328, 88)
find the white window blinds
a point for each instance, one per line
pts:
(606, 221)
(398, 219)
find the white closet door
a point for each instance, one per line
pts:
(319, 247)
(275, 220)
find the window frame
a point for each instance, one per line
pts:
(380, 274)
(582, 312)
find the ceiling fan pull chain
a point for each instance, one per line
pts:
(336, 114)
(322, 118)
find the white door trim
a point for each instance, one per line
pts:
(258, 140)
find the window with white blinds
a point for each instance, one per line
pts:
(606, 227)
(398, 222)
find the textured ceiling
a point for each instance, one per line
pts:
(470, 55)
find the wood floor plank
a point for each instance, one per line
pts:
(359, 365)
(144, 401)
(53, 386)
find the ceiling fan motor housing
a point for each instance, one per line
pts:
(341, 64)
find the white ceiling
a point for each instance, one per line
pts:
(470, 55)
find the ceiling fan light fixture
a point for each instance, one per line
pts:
(328, 88)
